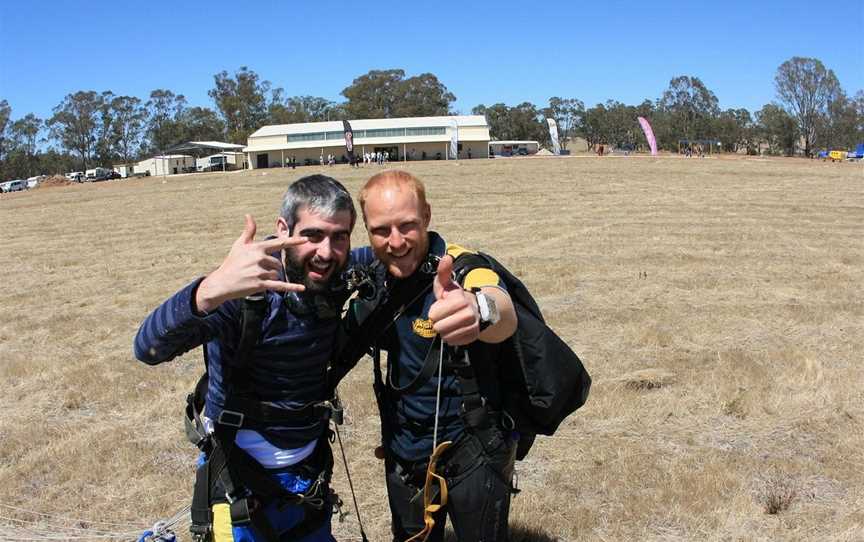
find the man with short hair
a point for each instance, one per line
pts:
(476, 317)
(269, 462)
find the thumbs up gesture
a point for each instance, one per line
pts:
(454, 313)
(249, 268)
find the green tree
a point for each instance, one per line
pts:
(201, 124)
(521, 122)
(302, 109)
(568, 114)
(691, 108)
(806, 88)
(374, 95)
(74, 122)
(5, 117)
(423, 96)
(129, 117)
(164, 111)
(595, 126)
(777, 129)
(105, 141)
(382, 94)
(52, 161)
(242, 101)
(24, 134)
(840, 127)
(734, 128)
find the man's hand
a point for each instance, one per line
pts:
(454, 313)
(248, 269)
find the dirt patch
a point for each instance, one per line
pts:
(56, 180)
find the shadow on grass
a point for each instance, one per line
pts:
(518, 533)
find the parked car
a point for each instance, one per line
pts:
(77, 176)
(17, 185)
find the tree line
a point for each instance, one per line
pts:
(811, 111)
(100, 128)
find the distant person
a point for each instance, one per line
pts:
(266, 411)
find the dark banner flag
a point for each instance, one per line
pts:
(349, 141)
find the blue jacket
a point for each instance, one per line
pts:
(288, 365)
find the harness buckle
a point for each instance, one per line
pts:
(231, 418)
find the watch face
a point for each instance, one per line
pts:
(488, 309)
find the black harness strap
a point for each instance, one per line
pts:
(228, 464)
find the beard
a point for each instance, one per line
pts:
(296, 273)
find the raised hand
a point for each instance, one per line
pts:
(454, 313)
(248, 269)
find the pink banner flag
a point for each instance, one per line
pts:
(649, 134)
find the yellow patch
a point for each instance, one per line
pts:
(423, 328)
(480, 277)
(222, 523)
(476, 278)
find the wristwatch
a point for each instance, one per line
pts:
(489, 315)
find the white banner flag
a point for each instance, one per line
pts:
(553, 133)
(454, 139)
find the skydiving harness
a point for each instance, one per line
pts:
(540, 379)
(248, 487)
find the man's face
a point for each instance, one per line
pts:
(397, 226)
(316, 262)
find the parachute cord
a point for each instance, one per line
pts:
(350, 483)
(438, 396)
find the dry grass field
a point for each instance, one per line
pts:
(717, 303)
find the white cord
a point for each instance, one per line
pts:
(438, 396)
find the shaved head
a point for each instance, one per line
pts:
(395, 179)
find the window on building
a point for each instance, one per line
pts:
(335, 135)
(314, 136)
(386, 132)
(432, 130)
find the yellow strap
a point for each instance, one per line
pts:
(476, 278)
(222, 523)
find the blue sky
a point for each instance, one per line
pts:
(483, 52)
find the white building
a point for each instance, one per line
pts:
(125, 170)
(416, 138)
(168, 164)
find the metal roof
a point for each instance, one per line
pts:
(204, 146)
(369, 124)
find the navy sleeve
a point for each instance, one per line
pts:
(174, 329)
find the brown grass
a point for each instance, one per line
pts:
(716, 302)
